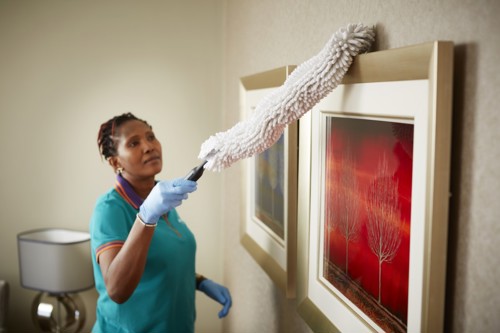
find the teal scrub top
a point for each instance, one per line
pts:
(164, 300)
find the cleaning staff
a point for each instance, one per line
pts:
(143, 253)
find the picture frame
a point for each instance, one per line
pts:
(269, 223)
(374, 166)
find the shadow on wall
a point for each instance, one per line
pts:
(464, 75)
(380, 42)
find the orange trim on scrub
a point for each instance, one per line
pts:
(107, 246)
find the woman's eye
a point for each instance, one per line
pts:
(151, 137)
(133, 143)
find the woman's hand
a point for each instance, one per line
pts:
(218, 293)
(163, 197)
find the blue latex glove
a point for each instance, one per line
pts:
(165, 196)
(218, 293)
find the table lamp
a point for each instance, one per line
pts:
(57, 263)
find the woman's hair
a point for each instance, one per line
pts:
(106, 136)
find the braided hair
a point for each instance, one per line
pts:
(106, 136)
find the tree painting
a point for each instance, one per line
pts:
(346, 199)
(383, 211)
(343, 196)
(367, 212)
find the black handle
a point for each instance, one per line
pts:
(196, 172)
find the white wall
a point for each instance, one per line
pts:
(262, 35)
(68, 66)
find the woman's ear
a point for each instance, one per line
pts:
(113, 161)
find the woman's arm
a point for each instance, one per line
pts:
(122, 268)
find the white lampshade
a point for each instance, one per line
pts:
(55, 260)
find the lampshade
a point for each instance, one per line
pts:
(55, 260)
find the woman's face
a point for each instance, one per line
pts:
(138, 151)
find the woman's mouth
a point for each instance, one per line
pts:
(152, 159)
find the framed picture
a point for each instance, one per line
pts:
(270, 193)
(374, 161)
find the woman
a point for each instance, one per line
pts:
(143, 253)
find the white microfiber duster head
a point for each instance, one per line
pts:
(303, 89)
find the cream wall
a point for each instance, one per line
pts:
(68, 66)
(262, 35)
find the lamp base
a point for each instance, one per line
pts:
(58, 313)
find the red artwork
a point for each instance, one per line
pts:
(368, 182)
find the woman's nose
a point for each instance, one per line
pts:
(148, 146)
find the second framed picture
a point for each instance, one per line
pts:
(270, 190)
